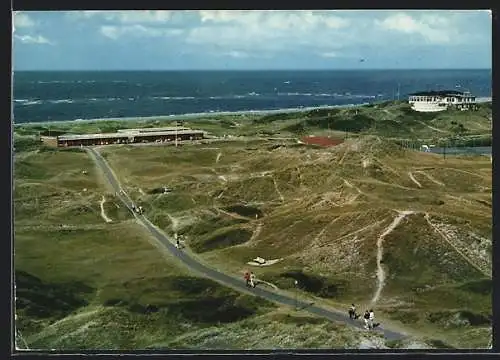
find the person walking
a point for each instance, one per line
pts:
(246, 276)
(177, 241)
(352, 312)
(366, 318)
(252, 279)
(371, 318)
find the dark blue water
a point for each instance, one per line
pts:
(55, 96)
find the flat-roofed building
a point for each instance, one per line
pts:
(129, 137)
(431, 101)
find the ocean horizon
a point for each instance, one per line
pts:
(49, 96)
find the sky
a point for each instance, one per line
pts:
(251, 40)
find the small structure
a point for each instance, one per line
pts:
(432, 101)
(258, 261)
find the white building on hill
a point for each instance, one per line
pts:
(430, 101)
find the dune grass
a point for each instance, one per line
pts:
(83, 283)
(94, 284)
(322, 211)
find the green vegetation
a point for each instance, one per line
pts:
(86, 283)
(82, 283)
(88, 272)
(322, 211)
(393, 120)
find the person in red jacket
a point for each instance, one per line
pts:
(247, 278)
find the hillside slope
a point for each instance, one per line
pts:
(364, 221)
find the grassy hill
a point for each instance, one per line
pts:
(323, 213)
(332, 216)
(84, 282)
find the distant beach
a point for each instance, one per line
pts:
(46, 97)
(195, 115)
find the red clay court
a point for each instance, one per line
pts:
(321, 141)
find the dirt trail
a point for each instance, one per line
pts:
(341, 161)
(277, 190)
(381, 275)
(465, 172)
(80, 330)
(299, 176)
(432, 127)
(233, 215)
(446, 238)
(256, 233)
(413, 179)
(103, 214)
(175, 222)
(316, 239)
(360, 230)
(389, 113)
(353, 187)
(430, 178)
(258, 281)
(26, 347)
(74, 317)
(320, 234)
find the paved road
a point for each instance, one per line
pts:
(220, 277)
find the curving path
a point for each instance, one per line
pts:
(220, 277)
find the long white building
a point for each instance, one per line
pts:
(431, 101)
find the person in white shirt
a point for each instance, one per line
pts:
(352, 312)
(372, 318)
(252, 279)
(366, 318)
(177, 242)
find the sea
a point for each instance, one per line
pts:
(43, 96)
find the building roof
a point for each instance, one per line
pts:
(148, 130)
(124, 135)
(441, 93)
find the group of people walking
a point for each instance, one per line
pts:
(249, 278)
(368, 317)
